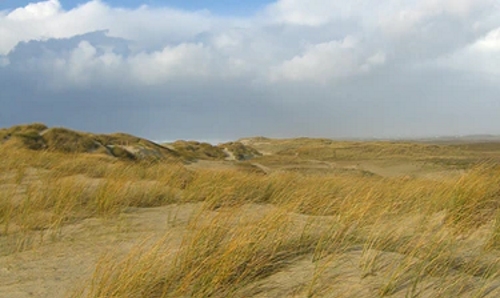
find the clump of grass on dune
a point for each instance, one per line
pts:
(69, 141)
(227, 188)
(192, 150)
(45, 190)
(218, 258)
(39, 127)
(240, 151)
(474, 199)
(23, 136)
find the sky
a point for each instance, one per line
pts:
(220, 70)
(221, 7)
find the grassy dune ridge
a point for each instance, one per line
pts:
(284, 233)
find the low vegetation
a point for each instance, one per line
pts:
(300, 231)
(193, 150)
(40, 137)
(240, 151)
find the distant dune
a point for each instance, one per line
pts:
(38, 136)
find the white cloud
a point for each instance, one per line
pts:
(325, 62)
(404, 12)
(461, 8)
(82, 67)
(309, 13)
(149, 27)
(389, 28)
(481, 56)
(341, 39)
(489, 43)
(192, 60)
(226, 41)
(87, 65)
(398, 18)
(36, 11)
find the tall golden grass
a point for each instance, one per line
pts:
(413, 234)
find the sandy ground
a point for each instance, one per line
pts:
(57, 268)
(53, 268)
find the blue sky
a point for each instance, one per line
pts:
(329, 68)
(224, 7)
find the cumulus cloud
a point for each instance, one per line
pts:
(166, 43)
(147, 26)
(35, 11)
(367, 59)
(489, 43)
(327, 61)
(309, 13)
(482, 57)
(192, 60)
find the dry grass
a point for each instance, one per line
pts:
(37, 136)
(413, 235)
(46, 189)
(302, 150)
(240, 151)
(192, 150)
(366, 235)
